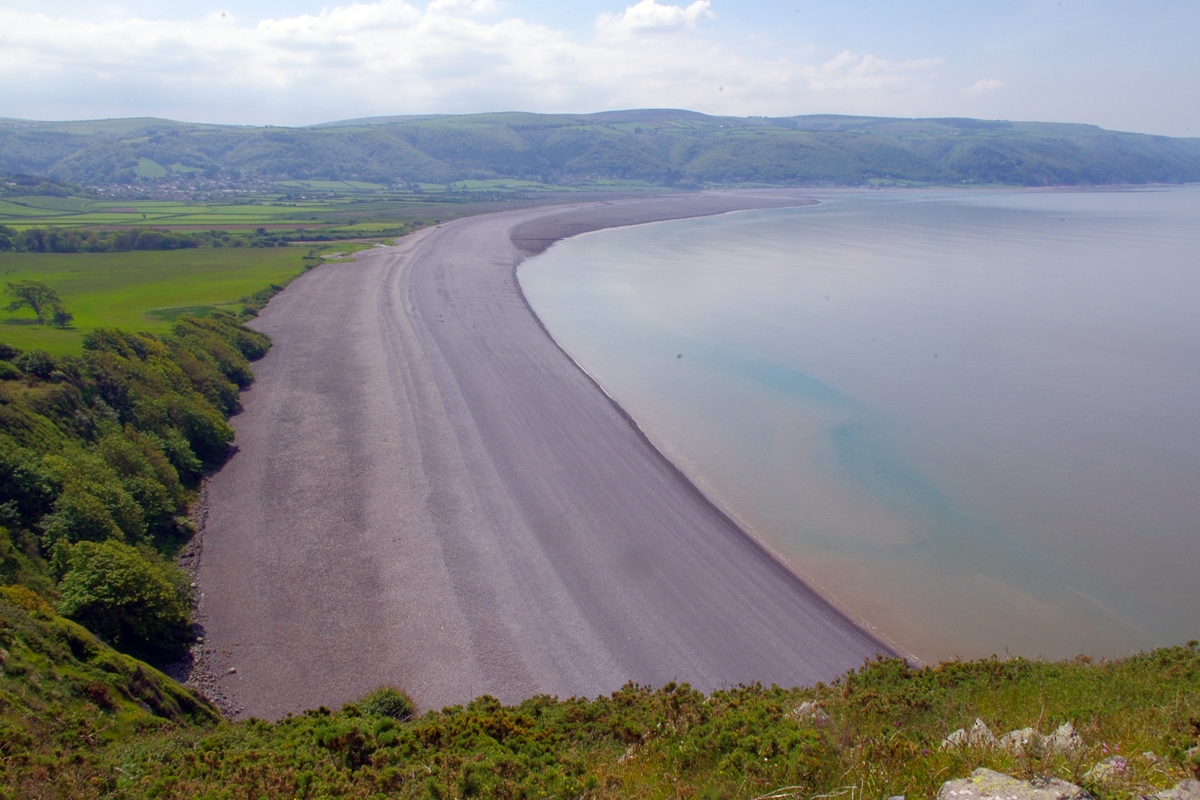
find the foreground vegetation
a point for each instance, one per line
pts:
(662, 147)
(78, 720)
(99, 455)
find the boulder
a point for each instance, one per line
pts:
(984, 784)
(1107, 770)
(1022, 743)
(979, 736)
(1065, 741)
(809, 711)
(957, 738)
(1184, 790)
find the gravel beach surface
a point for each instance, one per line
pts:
(429, 493)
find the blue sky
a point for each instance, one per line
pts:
(1124, 65)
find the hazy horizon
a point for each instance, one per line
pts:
(292, 64)
(398, 117)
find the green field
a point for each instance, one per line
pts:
(140, 290)
(315, 206)
(73, 212)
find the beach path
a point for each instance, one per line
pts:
(429, 493)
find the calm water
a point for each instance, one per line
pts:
(970, 418)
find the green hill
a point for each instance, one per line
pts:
(661, 146)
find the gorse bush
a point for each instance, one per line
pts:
(388, 702)
(97, 455)
(78, 720)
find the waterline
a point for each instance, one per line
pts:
(968, 416)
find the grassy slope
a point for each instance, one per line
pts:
(79, 720)
(119, 289)
(66, 698)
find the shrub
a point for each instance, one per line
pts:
(387, 702)
(131, 598)
(36, 362)
(79, 516)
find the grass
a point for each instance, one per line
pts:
(72, 727)
(311, 205)
(140, 290)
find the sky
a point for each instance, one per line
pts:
(1121, 64)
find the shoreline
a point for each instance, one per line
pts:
(197, 670)
(430, 493)
(730, 514)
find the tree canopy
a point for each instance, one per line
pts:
(44, 302)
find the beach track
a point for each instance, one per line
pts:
(429, 493)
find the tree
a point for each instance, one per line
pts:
(62, 317)
(38, 296)
(135, 600)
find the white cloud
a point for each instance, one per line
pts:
(650, 17)
(984, 85)
(393, 57)
(849, 72)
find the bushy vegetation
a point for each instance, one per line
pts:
(98, 456)
(82, 240)
(661, 146)
(35, 186)
(78, 720)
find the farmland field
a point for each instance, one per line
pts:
(146, 290)
(313, 206)
(140, 290)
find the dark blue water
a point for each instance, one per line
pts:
(971, 418)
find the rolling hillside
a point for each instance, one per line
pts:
(664, 147)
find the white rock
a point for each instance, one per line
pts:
(984, 784)
(809, 710)
(981, 735)
(1107, 770)
(1065, 741)
(1023, 742)
(1184, 790)
(956, 739)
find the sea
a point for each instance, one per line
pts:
(969, 418)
